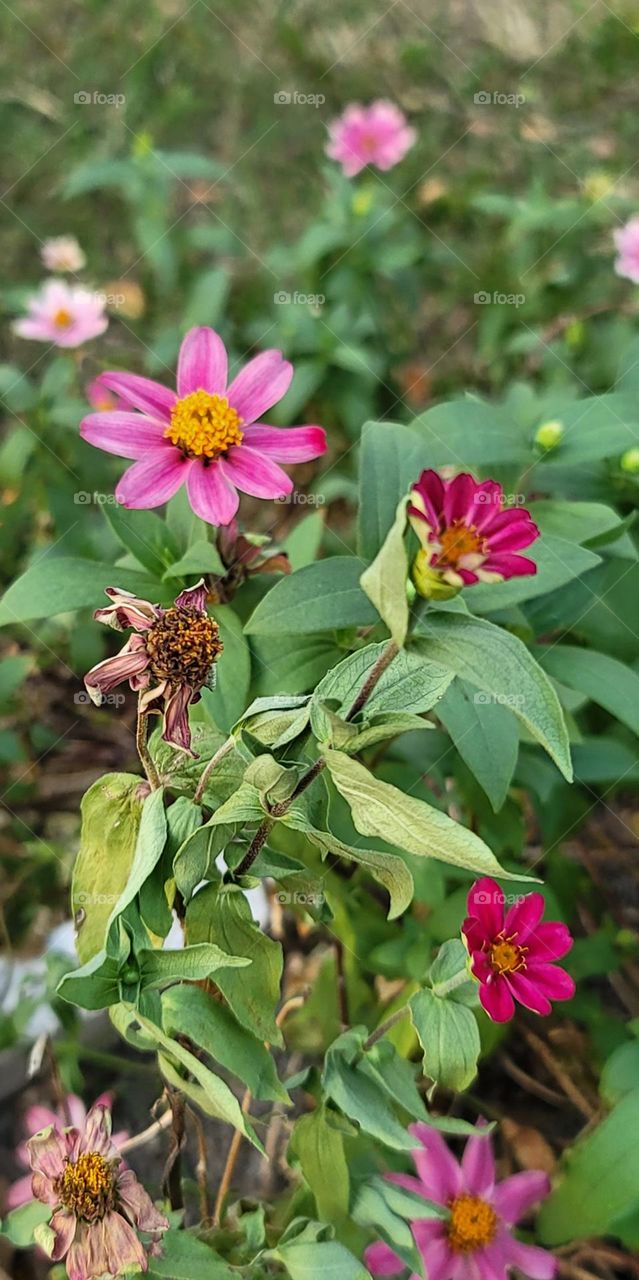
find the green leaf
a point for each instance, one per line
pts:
(183, 1256)
(293, 664)
(471, 431)
(350, 1085)
(145, 535)
(193, 963)
(620, 1073)
(608, 682)
(558, 562)
(191, 1011)
(449, 966)
(304, 541)
(386, 579)
(324, 596)
(226, 919)
(600, 1183)
(449, 1037)
(111, 812)
(320, 1260)
(225, 703)
(409, 683)
(20, 1224)
(201, 557)
(61, 584)
(319, 1147)
(391, 460)
(372, 1209)
(485, 734)
(499, 663)
(382, 810)
(594, 428)
(149, 847)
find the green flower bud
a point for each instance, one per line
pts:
(549, 434)
(629, 461)
(429, 582)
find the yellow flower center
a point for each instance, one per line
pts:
(460, 540)
(472, 1225)
(86, 1186)
(204, 425)
(183, 646)
(506, 956)
(62, 319)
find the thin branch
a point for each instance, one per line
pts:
(143, 750)
(206, 773)
(385, 1026)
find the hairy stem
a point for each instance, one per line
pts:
(380, 1031)
(207, 771)
(143, 750)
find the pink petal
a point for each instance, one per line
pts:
(38, 1117)
(287, 444)
(486, 904)
(382, 1261)
(193, 597)
(528, 993)
(475, 934)
(515, 1196)
(459, 500)
(20, 1192)
(211, 495)
(408, 1181)
(97, 1131)
(47, 1152)
(202, 363)
(129, 435)
(432, 491)
(439, 1259)
(77, 1110)
(478, 1166)
(551, 981)
(138, 1204)
(260, 384)
(44, 1189)
(515, 535)
(112, 671)
(496, 999)
(249, 471)
(550, 941)
(524, 916)
(176, 720)
(126, 610)
(510, 565)
(537, 1263)
(142, 393)
(63, 1225)
(153, 480)
(436, 1166)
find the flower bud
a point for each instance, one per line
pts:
(549, 434)
(629, 461)
(429, 582)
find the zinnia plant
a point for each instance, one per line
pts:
(63, 314)
(207, 435)
(378, 135)
(467, 534)
(512, 953)
(39, 1117)
(97, 1203)
(473, 1239)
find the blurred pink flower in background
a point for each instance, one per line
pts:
(207, 435)
(473, 1238)
(101, 398)
(39, 1117)
(378, 134)
(627, 244)
(63, 314)
(62, 253)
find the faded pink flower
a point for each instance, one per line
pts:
(512, 954)
(627, 244)
(101, 398)
(207, 435)
(39, 1117)
(467, 535)
(170, 659)
(62, 253)
(378, 134)
(473, 1240)
(97, 1203)
(63, 314)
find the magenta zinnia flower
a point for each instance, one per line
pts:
(473, 1240)
(63, 314)
(467, 535)
(96, 1202)
(627, 243)
(38, 1117)
(207, 434)
(512, 954)
(169, 660)
(378, 134)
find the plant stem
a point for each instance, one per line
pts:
(442, 989)
(206, 772)
(143, 750)
(278, 810)
(380, 1031)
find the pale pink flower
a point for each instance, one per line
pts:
(63, 314)
(101, 398)
(378, 134)
(62, 253)
(473, 1239)
(38, 1117)
(207, 435)
(96, 1202)
(627, 243)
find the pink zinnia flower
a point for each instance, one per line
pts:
(207, 434)
(170, 658)
(473, 1240)
(467, 535)
(627, 243)
(101, 398)
(512, 954)
(96, 1201)
(63, 314)
(62, 253)
(39, 1117)
(378, 134)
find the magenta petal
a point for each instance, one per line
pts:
(153, 480)
(513, 537)
(211, 495)
(537, 1263)
(478, 1166)
(142, 393)
(112, 671)
(255, 474)
(176, 729)
(202, 363)
(516, 1195)
(524, 916)
(261, 383)
(129, 435)
(459, 500)
(509, 565)
(408, 1181)
(551, 981)
(193, 597)
(382, 1261)
(528, 993)
(436, 1166)
(439, 1259)
(496, 999)
(550, 941)
(431, 490)
(287, 444)
(486, 904)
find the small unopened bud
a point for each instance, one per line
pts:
(629, 461)
(549, 434)
(429, 582)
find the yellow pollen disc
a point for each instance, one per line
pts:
(204, 425)
(86, 1186)
(472, 1224)
(62, 319)
(506, 956)
(459, 540)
